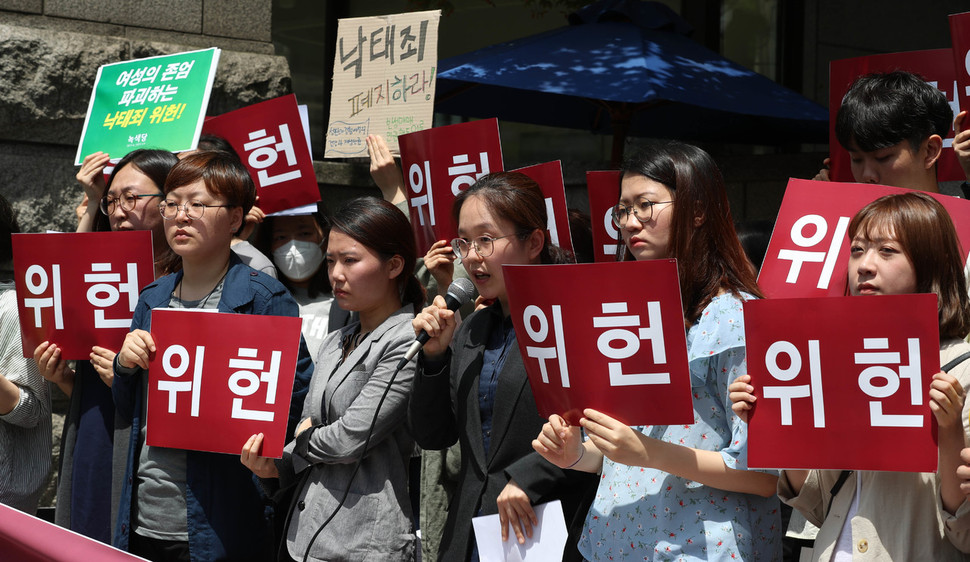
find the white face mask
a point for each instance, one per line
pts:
(298, 260)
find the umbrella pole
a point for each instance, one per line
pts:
(620, 119)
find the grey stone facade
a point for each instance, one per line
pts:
(50, 51)
(49, 55)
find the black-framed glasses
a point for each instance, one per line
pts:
(643, 211)
(483, 245)
(127, 201)
(193, 209)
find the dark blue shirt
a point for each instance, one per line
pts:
(90, 500)
(493, 359)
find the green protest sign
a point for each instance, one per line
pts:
(157, 102)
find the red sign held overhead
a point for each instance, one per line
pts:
(848, 369)
(809, 249)
(935, 65)
(960, 37)
(211, 393)
(79, 290)
(268, 136)
(614, 350)
(549, 178)
(438, 164)
(603, 189)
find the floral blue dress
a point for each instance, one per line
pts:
(646, 514)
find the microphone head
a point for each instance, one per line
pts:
(462, 290)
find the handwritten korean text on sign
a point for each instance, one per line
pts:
(383, 80)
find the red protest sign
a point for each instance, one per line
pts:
(848, 368)
(549, 178)
(808, 252)
(603, 189)
(268, 136)
(614, 350)
(960, 38)
(211, 393)
(79, 290)
(438, 164)
(935, 65)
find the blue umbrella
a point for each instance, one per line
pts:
(626, 67)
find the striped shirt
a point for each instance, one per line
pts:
(25, 432)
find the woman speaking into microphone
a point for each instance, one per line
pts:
(471, 386)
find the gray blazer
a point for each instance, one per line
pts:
(375, 521)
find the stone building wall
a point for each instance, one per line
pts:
(50, 51)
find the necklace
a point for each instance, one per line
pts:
(212, 290)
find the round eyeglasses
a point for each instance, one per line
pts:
(483, 245)
(643, 211)
(127, 201)
(193, 209)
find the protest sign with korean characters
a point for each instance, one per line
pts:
(79, 290)
(620, 349)
(935, 65)
(384, 73)
(268, 136)
(549, 178)
(603, 189)
(809, 249)
(157, 102)
(438, 164)
(843, 383)
(960, 39)
(208, 392)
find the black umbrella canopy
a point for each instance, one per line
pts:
(626, 67)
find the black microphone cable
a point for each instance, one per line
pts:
(357, 463)
(460, 292)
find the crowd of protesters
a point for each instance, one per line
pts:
(364, 422)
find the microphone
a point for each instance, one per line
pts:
(460, 292)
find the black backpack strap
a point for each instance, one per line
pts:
(838, 486)
(946, 368)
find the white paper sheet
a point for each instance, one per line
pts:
(547, 543)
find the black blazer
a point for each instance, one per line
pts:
(444, 408)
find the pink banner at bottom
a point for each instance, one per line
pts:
(26, 538)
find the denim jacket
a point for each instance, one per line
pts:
(225, 507)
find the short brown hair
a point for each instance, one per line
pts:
(928, 238)
(222, 174)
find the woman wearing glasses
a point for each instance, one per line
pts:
(679, 492)
(128, 202)
(176, 504)
(471, 386)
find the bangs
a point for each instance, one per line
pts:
(873, 226)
